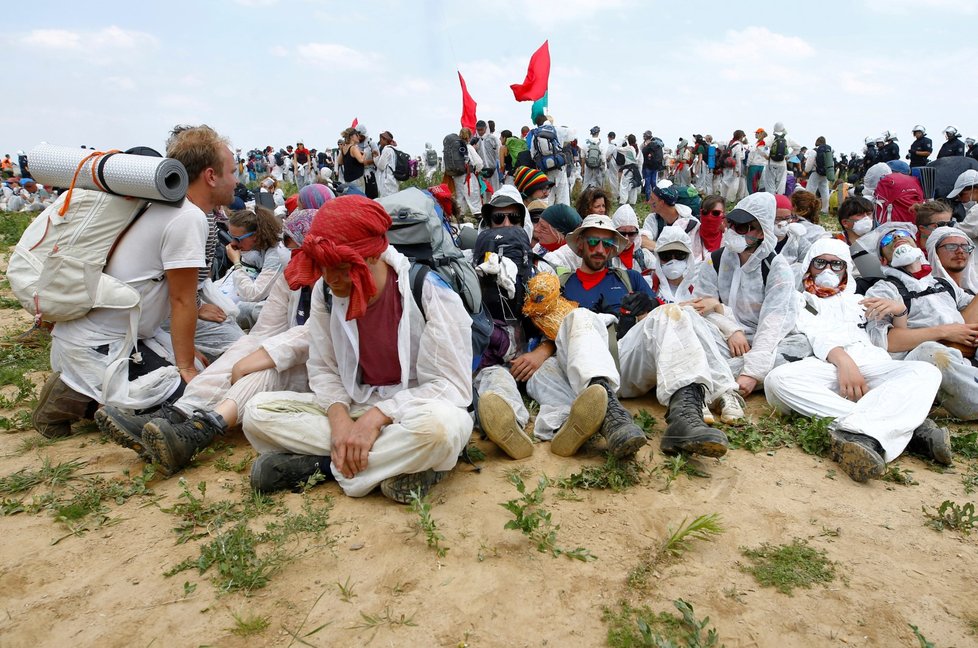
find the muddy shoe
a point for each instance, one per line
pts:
(731, 406)
(708, 417)
(933, 442)
(686, 432)
(173, 445)
(126, 428)
(499, 423)
(859, 456)
(619, 430)
(585, 419)
(275, 471)
(402, 488)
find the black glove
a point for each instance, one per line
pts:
(632, 307)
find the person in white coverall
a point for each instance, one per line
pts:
(934, 328)
(817, 184)
(594, 172)
(951, 256)
(392, 413)
(776, 172)
(877, 402)
(386, 182)
(468, 192)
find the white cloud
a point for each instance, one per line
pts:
(109, 38)
(334, 55)
(545, 14)
(755, 45)
(52, 39)
(278, 51)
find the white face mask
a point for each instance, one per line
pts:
(734, 242)
(674, 269)
(781, 229)
(905, 255)
(862, 226)
(968, 205)
(827, 279)
(797, 229)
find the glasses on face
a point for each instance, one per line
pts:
(593, 242)
(895, 234)
(500, 218)
(238, 239)
(934, 226)
(820, 264)
(629, 233)
(672, 255)
(715, 212)
(967, 248)
(535, 217)
(741, 228)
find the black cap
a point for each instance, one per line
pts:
(740, 216)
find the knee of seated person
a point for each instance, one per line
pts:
(439, 424)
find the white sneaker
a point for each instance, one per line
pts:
(731, 408)
(708, 415)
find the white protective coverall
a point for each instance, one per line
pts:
(593, 177)
(733, 186)
(872, 178)
(428, 407)
(629, 185)
(817, 184)
(958, 376)
(250, 289)
(643, 261)
(969, 277)
(900, 392)
(386, 182)
(768, 311)
(277, 332)
(468, 191)
(776, 173)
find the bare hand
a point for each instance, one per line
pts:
(852, 385)
(878, 308)
(201, 358)
(738, 344)
(746, 385)
(257, 360)
(351, 443)
(705, 305)
(963, 334)
(211, 313)
(234, 255)
(524, 366)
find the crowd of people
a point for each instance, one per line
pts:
(308, 321)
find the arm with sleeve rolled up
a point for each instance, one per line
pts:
(779, 313)
(444, 362)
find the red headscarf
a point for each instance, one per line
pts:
(345, 230)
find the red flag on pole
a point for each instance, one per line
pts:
(355, 122)
(468, 106)
(537, 76)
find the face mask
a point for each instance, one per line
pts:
(828, 279)
(968, 205)
(905, 255)
(734, 242)
(797, 229)
(674, 269)
(781, 229)
(862, 226)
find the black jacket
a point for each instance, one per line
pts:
(889, 152)
(922, 144)
(951, 147)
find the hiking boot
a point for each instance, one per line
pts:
(686, 432)
(619, 430)
(126, 428)
(731, 406)
(932, 441)
(858, 455)
(58, 406)
(173, 445)
(402, 488)
(275, 471)
(499, 423)
(585, 419)
(708, 417)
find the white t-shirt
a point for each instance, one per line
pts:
(164, 238)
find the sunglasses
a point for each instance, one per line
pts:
(628, 233)
(535, 217)
(672, 255)
(820, 264)
(238, 239)
(940, 224)
(593, 242)
(715, 212)
(890, 236)
(967, 248)
(740, 228)
(499, 219)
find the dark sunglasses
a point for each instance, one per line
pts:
(499, 219)
(715, 212)
(628, 233)
(819, 264)
(672, 255)
(238, 239)
(740, 228)
(535, 217)
(940, 224)
(592, 242)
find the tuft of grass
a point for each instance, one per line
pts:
(645, 421)
(773, 432)
(49, 474)
(534, 521)
(225, 464)
(705, 528)
(965, 445)
(422, 508)
(33, 442)
(903, 477)
(681, 465)
(788, 566)
(21, 422)
(813, 435)
(248, 625)
(346, 590)
(970, 478)
(16, 361)
(920, 637)
(383, 618)
(614, 474)
(630, 627)
(233, 553)
(954, 516)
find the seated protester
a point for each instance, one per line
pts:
(856, 218)
(806, 209)
(311, 198)
(924, 318)
(408, 387)
(750, 283)
(879, 404)
(259, 258)
(665, 211)
(159, 257)
(593, 200)
(269, 185)
(872, 178)
(550, 232)
(272, 357)
(33, 197)
(634, 256)
(950, 255)
(712, 222)
(929, 216)
(963, 195)
(532, 184)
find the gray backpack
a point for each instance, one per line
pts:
(455, 155)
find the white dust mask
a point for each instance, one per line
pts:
(734, 242)
(780, 229)
(862, 226)
(828, 278)
(905, 255)
(674, 269)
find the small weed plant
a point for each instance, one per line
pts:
(614, 474)
(426, 523)
(970, 478)
(921, 639)
(705, 528)
(645, 421)
(895, 475)
(965, 444)
(788, 566)
(248, 625)
(630, 627)
(680, 465)
(954, 516)
(534, 521)
(774, 432)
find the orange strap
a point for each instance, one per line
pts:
(93, 157)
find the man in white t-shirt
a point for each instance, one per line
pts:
(92, 357)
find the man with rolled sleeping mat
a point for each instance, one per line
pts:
(158, 255)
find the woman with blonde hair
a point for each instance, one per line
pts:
(352, 159)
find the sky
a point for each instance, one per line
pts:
(273, 72)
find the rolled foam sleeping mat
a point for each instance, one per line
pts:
(137, 176)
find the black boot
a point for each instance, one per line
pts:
(933, 442)
(275, 471)
(173, 445)
(686, 432)
(619, 430)
(859, 456)
(403, 488)
(58, 406)
(126, 428)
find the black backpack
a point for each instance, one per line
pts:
(765, 264)
(909, 295)
(402, 165)
(513, 244)
(779, 149)
(279, 159)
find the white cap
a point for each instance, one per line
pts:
(967, 179)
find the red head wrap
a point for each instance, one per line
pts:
(345, 230)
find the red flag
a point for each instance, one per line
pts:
(468, 106)
(537, 76)
(355, 122)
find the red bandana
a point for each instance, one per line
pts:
(628, 257)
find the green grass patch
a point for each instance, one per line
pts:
(630, 627)
(773, 432)
(233, 553)
(16, 361)
(12, 226)
(895, 475)
(614, 475)
(533, 520)
(248, 625)
(20, 421)
(788, 566)
(645, 421)
(970, 478)
(49, 474)
(965, 444)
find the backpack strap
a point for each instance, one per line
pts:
(766, 267)
(715, 258)
(660, 224)
(417, 274)
(908, 296)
